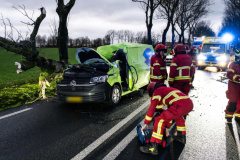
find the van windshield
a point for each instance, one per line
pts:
(214, 48)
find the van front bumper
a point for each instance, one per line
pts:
(222, 64)
(86, 93)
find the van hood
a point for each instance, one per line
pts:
(88, 55)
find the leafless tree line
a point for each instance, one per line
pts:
(231, 20)
(111, 37)
(181, 15)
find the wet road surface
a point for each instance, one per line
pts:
(50, 129)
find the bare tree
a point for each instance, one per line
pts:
(189, 11)
(149, 6)
(231, 20)
(120, 35)
(203, 28)
(62, 39)
(131, 36)
(112, 35)
(31, 54)
(139, 37)
(53, 31)
(166, 10)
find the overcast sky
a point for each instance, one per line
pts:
(93, 18)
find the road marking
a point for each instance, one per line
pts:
(105, 136)
(122, 145)
(235, 131)
(11, 114)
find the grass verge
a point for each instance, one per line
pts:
(18, 89)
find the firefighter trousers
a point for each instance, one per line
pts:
(182, 86)
(174, 112)
(233, 106)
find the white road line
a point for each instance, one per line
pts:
(105, 136)
(235, 131)
(122, 145)
(11, 114)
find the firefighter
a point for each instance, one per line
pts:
(237, 54)
(192, 54)
(158, 72)
(181, 70)
(178, 105)
(233, 92)
(200, 48)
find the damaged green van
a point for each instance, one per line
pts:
(107, 74)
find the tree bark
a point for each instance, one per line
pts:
(165, 33)
(173, 35)
(42, 62)
(35, 31)
(62, 39)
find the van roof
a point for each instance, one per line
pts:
(107, 50)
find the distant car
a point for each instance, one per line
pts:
(169, 59)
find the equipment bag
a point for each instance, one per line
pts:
(145, 136)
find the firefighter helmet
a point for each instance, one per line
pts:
(152, 86)
(180, 48)
(160, 47)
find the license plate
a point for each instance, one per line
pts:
(74, 99)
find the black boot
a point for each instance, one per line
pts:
(151, 148)
(180, 138)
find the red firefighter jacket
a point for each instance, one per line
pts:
(233, 72)
(181, 69)
(158, 72)
(166, 96)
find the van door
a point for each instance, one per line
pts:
(139, 61)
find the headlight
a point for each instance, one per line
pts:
(202, 57)
(99, 79)
(222, 58)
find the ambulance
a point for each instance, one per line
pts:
(197, 41)
(106, 74)
(215, 53)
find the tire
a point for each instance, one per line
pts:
(115, 96)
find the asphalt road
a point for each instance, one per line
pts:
(50, 129)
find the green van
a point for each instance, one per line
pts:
(106, 74)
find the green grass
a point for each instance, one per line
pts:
(8, 74)
(18, 89)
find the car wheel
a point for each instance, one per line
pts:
(115, 96)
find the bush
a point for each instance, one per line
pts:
(17, 96)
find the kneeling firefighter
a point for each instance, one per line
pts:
(233, 92)
(178, 105)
